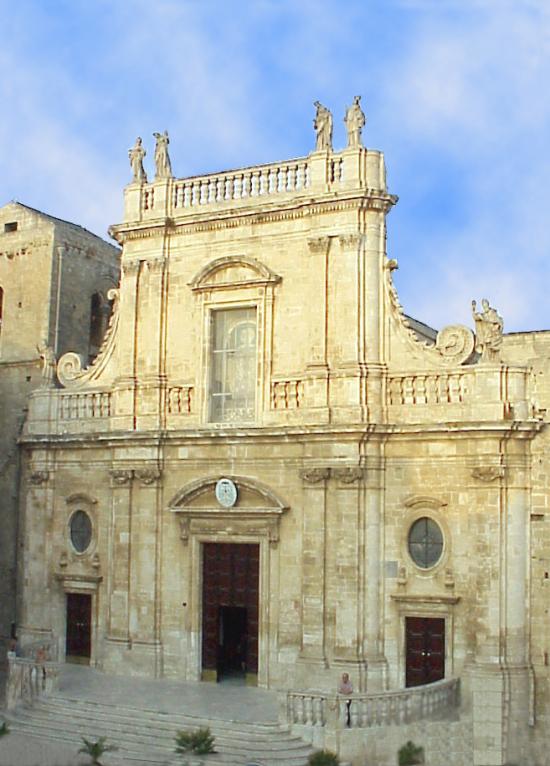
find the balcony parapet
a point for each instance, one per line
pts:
(355, 169)
(318, 709)
(30, 678)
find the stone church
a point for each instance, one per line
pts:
(270, 471)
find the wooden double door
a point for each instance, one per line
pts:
(425, 650)
(230, 610)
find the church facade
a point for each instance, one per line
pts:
(269, 470)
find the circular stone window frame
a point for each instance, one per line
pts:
(84, 504)
(426, 508)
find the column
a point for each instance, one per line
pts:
(314, 565)
(144, 575)
(119, 555)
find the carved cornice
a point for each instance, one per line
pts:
(315, 475)
(240, 217)
(37, 478)
(488, 473)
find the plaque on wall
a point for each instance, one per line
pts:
(226, 493)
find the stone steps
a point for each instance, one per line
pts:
(147, 736)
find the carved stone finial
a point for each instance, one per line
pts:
(136, 155)
(323, 128)
(163, 166)
(489, 327)
(355, 122)
(315, 475)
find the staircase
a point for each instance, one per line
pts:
(147, 736)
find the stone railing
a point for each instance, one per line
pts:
(322, 172)
(361, 711)
(287, 394)
(179, 400)
(28, 679)
(429, 388)
(260, 181)
(85, 405)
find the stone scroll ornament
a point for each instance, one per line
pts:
(455, 343)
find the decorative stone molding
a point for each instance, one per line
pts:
(348, 474)
(318, 244)
(256, 273)
(131, 267)
(179, 399)
(148, 476)
(315, 475)
(350, 241)
(488, 473)
(155, 265)
(37, 478)
(185, 523)
(121, 477)
(424, 501)
(79, 498)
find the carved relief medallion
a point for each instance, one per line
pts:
(226, 493)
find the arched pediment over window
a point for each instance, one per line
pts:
(257, 510)
(233, 271)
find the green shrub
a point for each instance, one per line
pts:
(96, 749)
(410, 754)
(200, 741)
(323, 758)
(4, 729)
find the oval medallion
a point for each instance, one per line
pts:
(226, 493)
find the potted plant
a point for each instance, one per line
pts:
(96, 749)
(199, 742)
(410, 754)
(323, 758)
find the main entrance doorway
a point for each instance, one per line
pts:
(425, 650)
(230, 611)
(79, 628)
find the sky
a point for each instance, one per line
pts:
(456, 94)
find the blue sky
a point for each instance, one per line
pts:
(457, 95)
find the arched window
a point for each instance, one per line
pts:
(233, 365)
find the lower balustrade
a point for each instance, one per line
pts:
(29, 679)
(360, 711)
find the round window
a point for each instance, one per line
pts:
(425, 542)
(81, 531)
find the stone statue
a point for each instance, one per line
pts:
(162, 160)
(136, 155)
(489, 326)
(323, 127)
(47, 356)
(355, 122)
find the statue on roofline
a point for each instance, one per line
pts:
(163, 165)
(355, 122)
(323, 127)
(136, 155)
(489, 327)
